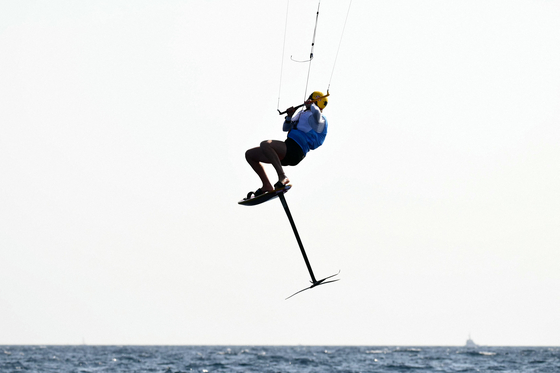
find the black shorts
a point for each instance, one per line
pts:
(294, 153)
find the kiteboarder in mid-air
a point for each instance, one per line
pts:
(306, 129)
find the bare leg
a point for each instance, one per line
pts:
(270, 151)
(275, 151)
(254, 157)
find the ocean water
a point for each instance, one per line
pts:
(263, 359)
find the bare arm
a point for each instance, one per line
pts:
(289, 120)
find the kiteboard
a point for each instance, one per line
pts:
(264, 197)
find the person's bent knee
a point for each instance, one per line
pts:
(249, 154)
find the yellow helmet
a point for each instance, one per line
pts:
(322, 102)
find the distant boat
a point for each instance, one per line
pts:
(470, 343)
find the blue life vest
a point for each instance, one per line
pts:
(303, 131)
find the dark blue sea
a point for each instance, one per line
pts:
(213, 359)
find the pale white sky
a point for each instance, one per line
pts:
(123, 127)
